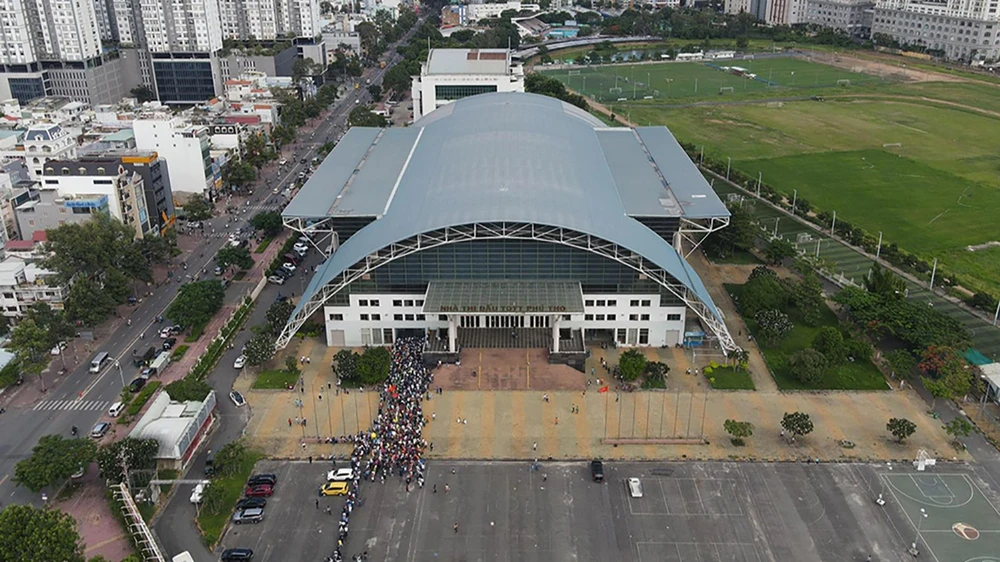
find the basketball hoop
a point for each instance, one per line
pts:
(923, 460)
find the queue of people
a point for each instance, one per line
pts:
(394, 445)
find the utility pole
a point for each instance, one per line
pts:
(878, 250)
(833, 226)
(729, 164)
(933, 273)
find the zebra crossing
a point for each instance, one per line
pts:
(90, 405)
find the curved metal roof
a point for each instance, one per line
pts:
(508, 157)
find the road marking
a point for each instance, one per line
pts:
(88, 405)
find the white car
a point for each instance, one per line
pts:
(634, 487)
(199, 489)
(283, 161)
(340, 475)
(288, 266)
(240, 361)
(276, 279)
(58, 348)
(300, 247)
(165, 333)
(237, 398)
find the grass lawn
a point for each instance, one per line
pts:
(739, 257)
(263, 246)
(211, 525)
(275, 379)
(848, 376)
(179, 352)
(727, 377)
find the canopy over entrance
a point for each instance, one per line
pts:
(500, 297)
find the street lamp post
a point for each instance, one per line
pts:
(913, 547)
(120, 373)
(729, 164)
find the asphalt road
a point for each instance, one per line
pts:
(82, 398)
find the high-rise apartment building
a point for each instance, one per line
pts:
(957, 29)
(267, 20)
(851, 16)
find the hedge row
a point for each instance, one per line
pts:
(218, 346)
(143, 397)
(280, 258)
(854, 235)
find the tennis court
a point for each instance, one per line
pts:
(950, 518)
(679, 80)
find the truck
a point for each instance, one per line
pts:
(141, 360)
(161, 362)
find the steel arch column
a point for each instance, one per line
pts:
(497, 231)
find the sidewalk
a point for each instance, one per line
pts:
(98, 527)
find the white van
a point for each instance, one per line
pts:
(99, 360)
(116, 409)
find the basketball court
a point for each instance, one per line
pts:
(950, 517)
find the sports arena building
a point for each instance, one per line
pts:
(508, 220)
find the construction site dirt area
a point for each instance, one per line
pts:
(507, 369)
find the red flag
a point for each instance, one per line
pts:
(603, 389)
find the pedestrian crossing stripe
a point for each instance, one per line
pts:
(89, 405)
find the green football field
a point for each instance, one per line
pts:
(680, 80)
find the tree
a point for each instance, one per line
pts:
(657, 370)
(939, 361)
(902, 362)
(197, 208)
(797, 423)
(738, 236)
(213, 498)
(346, 364)
(234, 255)
(268, 222)
(278, 314)
(238, 173)
(938, 389)
(291, 366)
(230, 457)
(959, 428)
(762, 291)
(256, 152)
(808, 365)
(535, 83)
(28, 534)
(4, 325)
(915, 324)
(259, 349)
(188, 389)
(772, 326)
(362, 116)
(143, 93)
(884, 283)
(52, 461)
(631, 364)
(740, 430)
(900, 428)
(807, 297)
(778, 250)
(373, 365)
(830, 342)
(196, 303)
(375, 91)
(127, 455)
(739, 357)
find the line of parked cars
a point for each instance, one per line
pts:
(250, 509)
(292, 260)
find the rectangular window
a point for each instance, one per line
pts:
(645, 302)
(364, 317)
(612, 303)
(337, 317)
(397, 302)
(600, 317)
(421, 318)
(408, 302)
(588, 303)
(451, 93)
(376, 316)
(643, 317)
(374, 303)
(366, 336)
(566, 317)
(409, 318)
(363, 302)
(644, 336)
(600, 303)
(673, 317)
(633, 317)
(397, 317)
(588, 317)
(442, 317)
(634, 302)
(387, 335)
(612, 316)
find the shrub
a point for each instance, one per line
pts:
(144, 395)
(808, 365)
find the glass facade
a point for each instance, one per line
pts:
(184, 81)
(500, 260)
(451, 93)
(26, 89)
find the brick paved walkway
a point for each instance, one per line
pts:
(98, 527)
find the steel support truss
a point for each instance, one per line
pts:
(506, 230)
(134, 523)
(319, 230)
(694, 232)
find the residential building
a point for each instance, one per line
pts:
(452, 74)
(280, 62)
(476, 12)
(267, 20)
(15, 189)
(853, 17)
(184, 146)
(44, 142)
(961, 31)
(178, 427)
(22, 284)
(337, 39)
(734, 7)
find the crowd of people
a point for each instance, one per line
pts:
(394, 445)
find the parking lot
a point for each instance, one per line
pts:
(689, 512)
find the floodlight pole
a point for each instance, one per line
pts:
(996, 314)
(933, 272)
(878, 250)
(818, 240)
(795, 198)
(760, 176)
(702, 161)
(729, 164)
(776, 219)
(833, 225)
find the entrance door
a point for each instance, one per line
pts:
(336, 338)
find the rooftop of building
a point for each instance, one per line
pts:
(54, 103)
(172, 423)
(121, 135)
(468, 61)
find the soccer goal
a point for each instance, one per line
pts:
(614, 91)
(726, 90)
(748, 57)
(574, 73)
(843, 83)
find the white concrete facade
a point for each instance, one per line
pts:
(43, 143)
(184, 147)
(23, 284)
(451, 74)
(181, 25)
(633, 320)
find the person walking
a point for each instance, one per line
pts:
(455, 527)
(534, 446)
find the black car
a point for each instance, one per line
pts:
(136, 384)
(597, 471)
(258, 479)
(233, 554)
(250, 503)
(169, 343)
